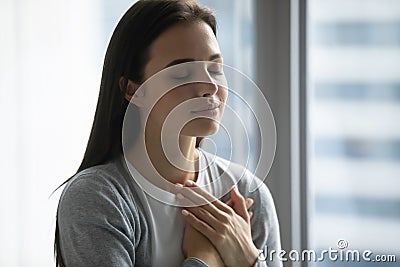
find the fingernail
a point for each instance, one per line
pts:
(185, 212)
(190, 183)
(180, 196)
(249, 201)
(178, 186)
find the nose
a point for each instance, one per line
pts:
(208, 89)
(208, 86)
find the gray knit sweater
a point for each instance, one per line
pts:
(102, 221)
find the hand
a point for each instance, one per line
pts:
(229, 232)
(235, 205)
(196, 245)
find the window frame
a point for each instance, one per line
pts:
(281, 74)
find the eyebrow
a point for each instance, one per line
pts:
(183, 60)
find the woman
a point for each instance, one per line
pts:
(108, 214)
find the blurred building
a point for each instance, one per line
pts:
(354, 83)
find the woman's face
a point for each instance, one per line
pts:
(199, 105)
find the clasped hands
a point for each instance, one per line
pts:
(217, 233)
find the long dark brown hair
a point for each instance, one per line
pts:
(127, 55)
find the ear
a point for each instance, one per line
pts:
(129, 88)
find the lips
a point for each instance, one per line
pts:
(209, 107)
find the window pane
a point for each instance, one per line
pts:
(354, 88)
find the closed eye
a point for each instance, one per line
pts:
(217, 70)
(181, 77)
(181, 73)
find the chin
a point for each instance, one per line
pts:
(200, 127)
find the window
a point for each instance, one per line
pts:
(330, 70)
(354, 106)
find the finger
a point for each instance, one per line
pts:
(189, 184)
(219, 215)
(229, 203)
(239, 204)
(199, 225)
(201, 197)
(249, 202)
(195, 197)
(185, 190)
(205, 216)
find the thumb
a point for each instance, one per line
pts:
(239, 204)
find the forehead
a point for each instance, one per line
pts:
(194, 40)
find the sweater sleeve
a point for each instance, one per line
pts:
(94, 229)
(193, 262)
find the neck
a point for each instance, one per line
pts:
(174, 158)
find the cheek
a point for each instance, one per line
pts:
(170, 100)
(222, 94)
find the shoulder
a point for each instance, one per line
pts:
(100, 221)
(106, 180)
(98, 192)
(248, 184)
